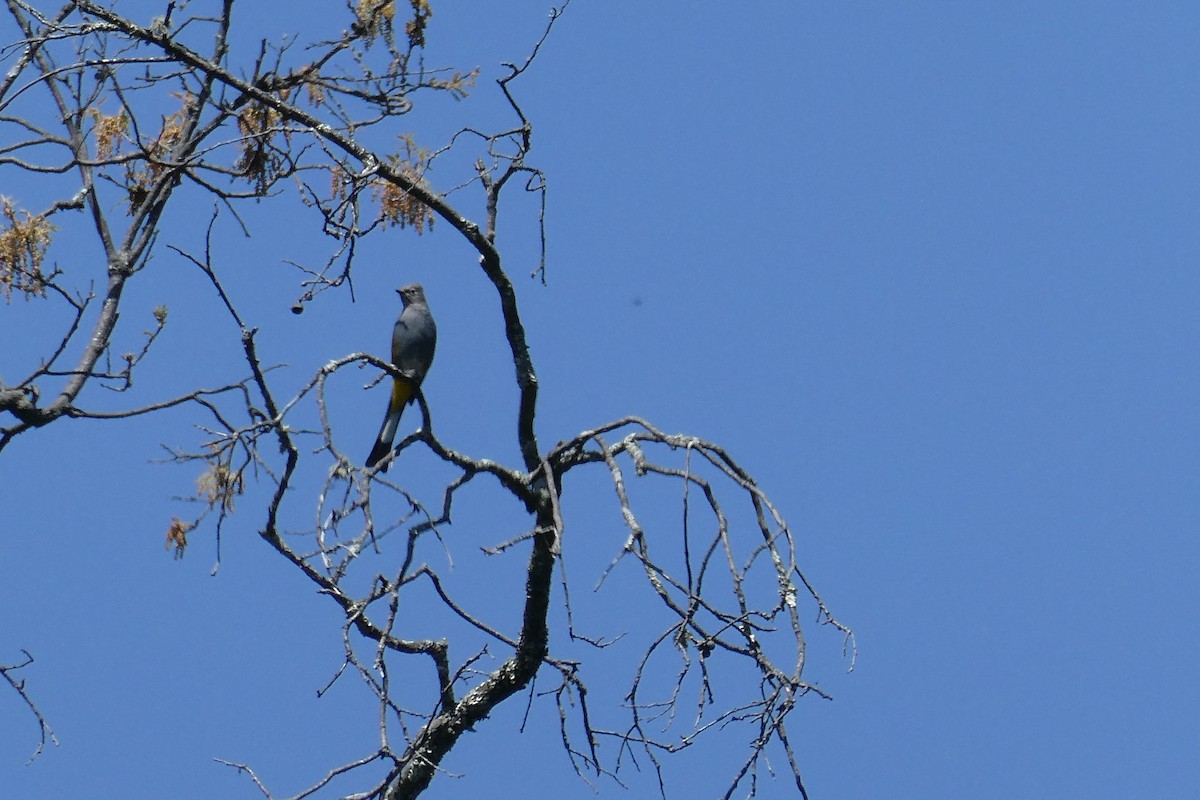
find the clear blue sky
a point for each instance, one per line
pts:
(931, 271)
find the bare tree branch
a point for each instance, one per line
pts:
(45, 732)
(131, 117)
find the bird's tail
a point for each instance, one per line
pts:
(401, 394)
(383, 442)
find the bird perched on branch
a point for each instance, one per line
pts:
(413, 340)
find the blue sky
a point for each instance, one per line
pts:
(928, 270)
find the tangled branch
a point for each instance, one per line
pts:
(146, 113)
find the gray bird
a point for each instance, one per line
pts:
(413, 341)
